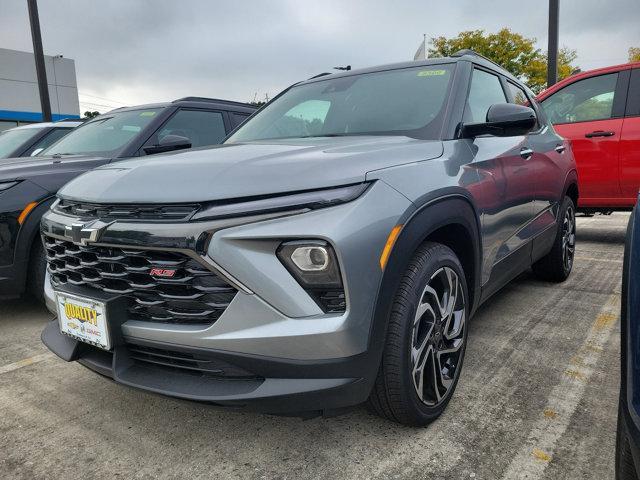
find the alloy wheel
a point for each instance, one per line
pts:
(568, 238)
(438, 336)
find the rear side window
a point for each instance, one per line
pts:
(633, 101)
(237, 118)
(486, 90)
(582, 101)
(202, 127)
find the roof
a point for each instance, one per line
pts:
(59, 124)
(589, 73)
(462, 55)
(194, 101)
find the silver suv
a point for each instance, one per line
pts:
(330, 252)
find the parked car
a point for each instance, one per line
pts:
(628, 438)
(331, 251)
(28, 185)
(599, 112)
(31, 139)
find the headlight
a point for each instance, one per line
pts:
(313, 263)
(6, 185)
(310, 200)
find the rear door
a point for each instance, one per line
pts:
(589, 112)
(630, 144)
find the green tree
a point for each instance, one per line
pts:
(88, 114)
(516, 53)
(634, 54)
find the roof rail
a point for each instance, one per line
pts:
(320, 75)
(211, 100)
(468, 51)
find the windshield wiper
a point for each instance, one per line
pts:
(328, 135)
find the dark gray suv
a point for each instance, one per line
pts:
(330, 252)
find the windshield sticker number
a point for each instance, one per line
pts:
(431, 73)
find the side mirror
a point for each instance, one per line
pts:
(168, 143)
(36, 152)
(503, 120)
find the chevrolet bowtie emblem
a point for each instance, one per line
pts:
(83, 233)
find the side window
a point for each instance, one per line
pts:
(49, 139)
(518, 95)
(633, 100)
(486, 90)
(237, 118)
(202, 127)
(582, 101)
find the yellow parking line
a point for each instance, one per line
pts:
(539, 448)
(594, 259)
(25, 363)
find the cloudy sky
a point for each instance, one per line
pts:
(138, 51)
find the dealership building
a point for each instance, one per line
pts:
(19, 98)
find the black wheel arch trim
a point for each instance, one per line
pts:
(30, 231)
(449, 208)
(570, 179)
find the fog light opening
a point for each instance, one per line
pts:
(311, 258)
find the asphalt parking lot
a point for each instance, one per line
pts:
(537, 399)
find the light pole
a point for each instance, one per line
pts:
(552, 55)
(41, 70)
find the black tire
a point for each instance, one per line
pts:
(557, 264)
(625, 467)
(37, 271)
(395, 394)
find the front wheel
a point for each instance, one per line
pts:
(558, 263)
(425, 341)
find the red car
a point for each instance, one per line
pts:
(599, 112)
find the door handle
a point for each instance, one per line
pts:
(600, 133)
(526, 153)
(560, 148)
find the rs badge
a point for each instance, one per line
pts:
(162, 272)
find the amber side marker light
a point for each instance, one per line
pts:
(391, 240)
(27, 210)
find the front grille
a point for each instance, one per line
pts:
(192, 295)
(167, 213)
(189, 363)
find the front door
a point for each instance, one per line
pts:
(507, 182)
(583, 112)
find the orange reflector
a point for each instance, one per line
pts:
(391, 240)
(27, 210)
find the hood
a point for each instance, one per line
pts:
(48, 172)
(249, 169)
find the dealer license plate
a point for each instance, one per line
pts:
(83, 319)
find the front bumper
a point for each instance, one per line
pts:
(269, 385)
(300, 358)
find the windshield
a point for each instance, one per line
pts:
(105, 135)
(406, 101)
(12, 139)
